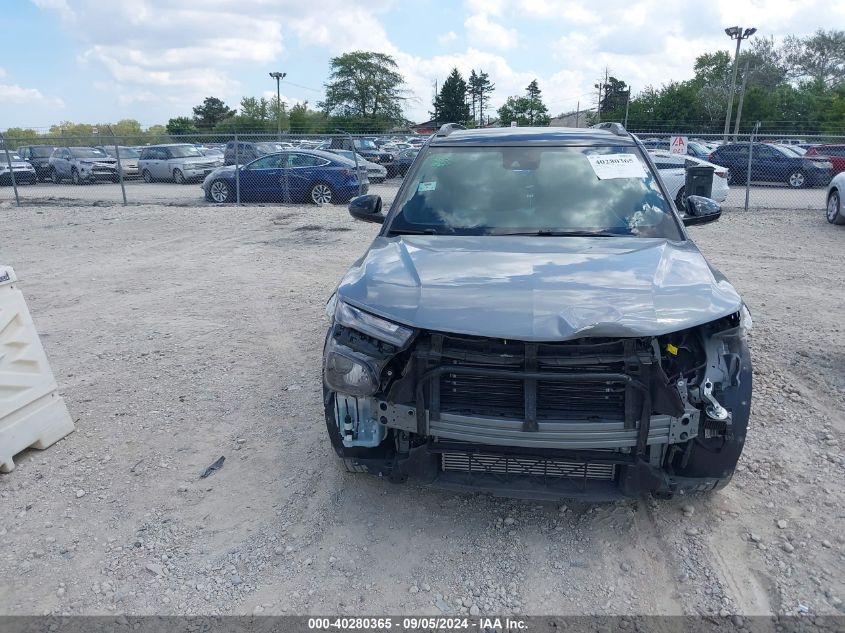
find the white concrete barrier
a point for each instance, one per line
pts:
(32, 414)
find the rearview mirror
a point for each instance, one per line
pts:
(700, 210)
(366, 208)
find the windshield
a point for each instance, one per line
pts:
(184, 151)
(13, 155)
(87, 152)
(41, 152)
(269, 148)
(534, 190)
(125, 152)
(363, 143)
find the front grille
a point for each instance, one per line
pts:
(469, 394)
(525, 465)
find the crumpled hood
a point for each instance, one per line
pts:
(539, 288)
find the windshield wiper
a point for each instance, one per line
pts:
(553, 233)
(411, 232)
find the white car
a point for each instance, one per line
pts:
(673, 172)
(835, 191)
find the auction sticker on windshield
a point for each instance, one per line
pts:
(427, 186)
(607, 166)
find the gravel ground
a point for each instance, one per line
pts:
(182, 334)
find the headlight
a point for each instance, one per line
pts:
(346, 373)
(745, 321)
(331, 305)
(379, 328)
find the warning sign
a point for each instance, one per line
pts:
(678, 145)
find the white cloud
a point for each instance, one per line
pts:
(12, 93)
(481, 31)
(447, 38)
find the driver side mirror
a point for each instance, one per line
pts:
(366, 208)
(700, 210)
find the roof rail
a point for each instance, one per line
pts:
(617, 128)
(447, 128)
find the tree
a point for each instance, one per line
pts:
(181, 125)
(211, 112)
(526, 110)
(450, 105)
(366, 86)
(818, 58)
(479, 87)
(615, 95)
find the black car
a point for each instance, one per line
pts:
(403, 161)
(39, 157)
(366, 148)
(772, 164)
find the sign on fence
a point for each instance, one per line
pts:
(678, 145)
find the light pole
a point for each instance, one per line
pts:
(735, 33)
(278, 77)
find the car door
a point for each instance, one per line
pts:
(262, 179)
(62, 163)
(303, 174)
(768, 164)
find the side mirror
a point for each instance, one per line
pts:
(366, 208)
(701, 210)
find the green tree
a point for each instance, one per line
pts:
(479, 88)
(614, 95)
(817, 58)
(20, 134)
(365, 86)
(450, 104)
(181, 125)
(526, 110)
(211, 112)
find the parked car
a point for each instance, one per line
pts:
(366, 148)
(534, 320)
(694, 148)
(374, 171)
(404, 159)
(772, 164)
(249, 151)
(39, 157)
(128, 159)
(177, 162)
(835, 192)
(672, 168)
(834, 153)
(23, 172)
(81, 165)
(294, 175)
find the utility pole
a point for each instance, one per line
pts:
(577, 112)
(741, 99)
(735, 33)
(598, 105)
(278, 77)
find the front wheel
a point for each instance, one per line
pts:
(797, 180)
(178, 177)
(834, 209)
(219, 191)
(147, 176)
(321, 194)
(54, 177)
(74, 177)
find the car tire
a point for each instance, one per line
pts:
(147, 176)
(321, 193)
(679, 199)
(179, 177)
(797, 180)
(74, 177)
(219, 191)
(834, 208)
(54, 177)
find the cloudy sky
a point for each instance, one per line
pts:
(103, 60)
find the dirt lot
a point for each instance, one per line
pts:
(182, 334)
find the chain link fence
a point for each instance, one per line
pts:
(758, 170)
(203, 169)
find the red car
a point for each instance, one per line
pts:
(836, 153)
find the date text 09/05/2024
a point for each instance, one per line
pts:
(363, 624)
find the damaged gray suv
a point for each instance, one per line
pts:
(534, 321)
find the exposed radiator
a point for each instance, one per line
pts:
(525, 465)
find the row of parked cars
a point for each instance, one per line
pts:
(794, 164)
